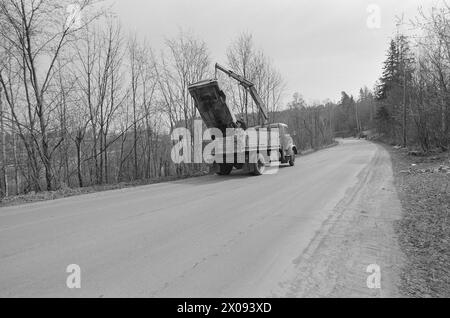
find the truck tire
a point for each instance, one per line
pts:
(292, 160)
(225, 169)
(260, 166)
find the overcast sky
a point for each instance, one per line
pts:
(320, 47)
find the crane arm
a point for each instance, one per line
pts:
(248, 86)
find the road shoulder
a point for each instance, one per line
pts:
(358, 236)
(423, 184)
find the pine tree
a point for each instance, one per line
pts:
(390, 76)
(392, 91)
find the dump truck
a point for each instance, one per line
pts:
(241, 147)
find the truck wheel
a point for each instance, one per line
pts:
(260, 166)
(292, 160)
(225, 169)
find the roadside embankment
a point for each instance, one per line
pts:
(423, 185)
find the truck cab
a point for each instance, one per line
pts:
(288, 149)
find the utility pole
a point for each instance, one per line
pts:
(358, 125)
(402, 43)
(331, 124)
(313, 113)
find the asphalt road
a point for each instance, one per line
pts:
(234, 236)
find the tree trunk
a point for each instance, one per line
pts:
(4, 177)
(78, 146)
(16, 163)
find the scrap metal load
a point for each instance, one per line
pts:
(251, 148)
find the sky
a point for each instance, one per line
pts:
(320, 47)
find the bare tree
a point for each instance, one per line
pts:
(240, 56)
(36, 34)
(254, 65)
(189, 62)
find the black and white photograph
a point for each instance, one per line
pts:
(238, 150)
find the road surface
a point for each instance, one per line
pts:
(306, 231)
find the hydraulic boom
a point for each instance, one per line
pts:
(250, 87)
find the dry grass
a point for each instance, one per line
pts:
(423, 184)
(68, 192)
